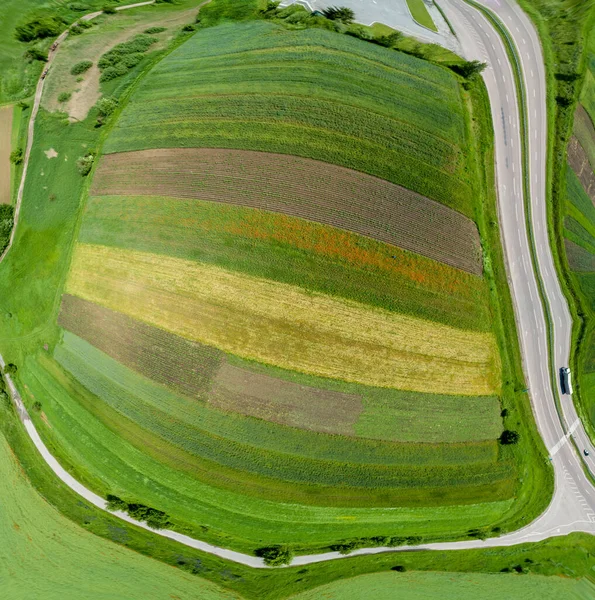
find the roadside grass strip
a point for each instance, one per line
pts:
(298, 187)
(427, 585)
(285, 326)
(309, 93)
(293, 251)
(288, 398)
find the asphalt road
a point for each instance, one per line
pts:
(573, 504)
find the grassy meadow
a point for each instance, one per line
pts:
(420, 13)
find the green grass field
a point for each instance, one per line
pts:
(226, 83)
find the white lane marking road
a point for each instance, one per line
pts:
(564, 439)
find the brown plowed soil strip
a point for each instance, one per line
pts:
(298, 187)
(200, 371)
(579, 162)
(5, 141)
(284, 402)
(166, 358)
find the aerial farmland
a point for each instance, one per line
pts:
(260, 309)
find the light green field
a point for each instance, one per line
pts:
(45, 555)
(344, 101)
(455, 586)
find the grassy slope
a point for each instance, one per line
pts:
(47, 555)
(460, 586)
(235, 102)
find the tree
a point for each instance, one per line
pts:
(339, 13)
(509, 437)
(275, 556)
(469, 69)
(116, 503)
(84, 164)
(38, 29)
(106, 106)
(35, 54)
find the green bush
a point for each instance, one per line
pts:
(64, 96)
(79, 6)
(122, 57)
(115, 503)
(6, 223)
(81, 67)
(509, 437)
(84, 164)
(35, 54)
(155, 30)
(76, 30)
(156, 519)
(106, 106)
(109, 10)
(16, 157)
(38, 29)
(275, 556)
(339, 13)
(189, 27)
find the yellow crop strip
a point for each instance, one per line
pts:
(283, 325)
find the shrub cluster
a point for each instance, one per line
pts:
(81, 67)
(38, 29)
(6, 223)
(275, 556)
(79, 27)
(79, 6)
(16, 157)
(122, 57)
(64, 96)
(347, 546)
(84, 164)
(35, 54)
(106, 106)
(156, 519)
(152, 30)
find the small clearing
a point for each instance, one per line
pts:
(51, 153)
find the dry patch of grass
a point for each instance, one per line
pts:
(282, 325)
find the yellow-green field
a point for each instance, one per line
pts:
(282, 325)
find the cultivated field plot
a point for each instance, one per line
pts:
(50, 557)
(309, 93)
(204, 373)
(291, 250)
(585, 132)
(284, 326)
(579, 258)
(298, 187)
(579, 162)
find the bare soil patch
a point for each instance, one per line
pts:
(51, 153)
(5, 150)
(285, 402)
(579, 162)
(298, 187)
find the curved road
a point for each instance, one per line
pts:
(573, 504)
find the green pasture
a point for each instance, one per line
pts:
(420, 13)
(48, 556)
(196, 230)
(455, 586)
(311, 93)
(585, 132)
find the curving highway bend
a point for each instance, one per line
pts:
(573, 505)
